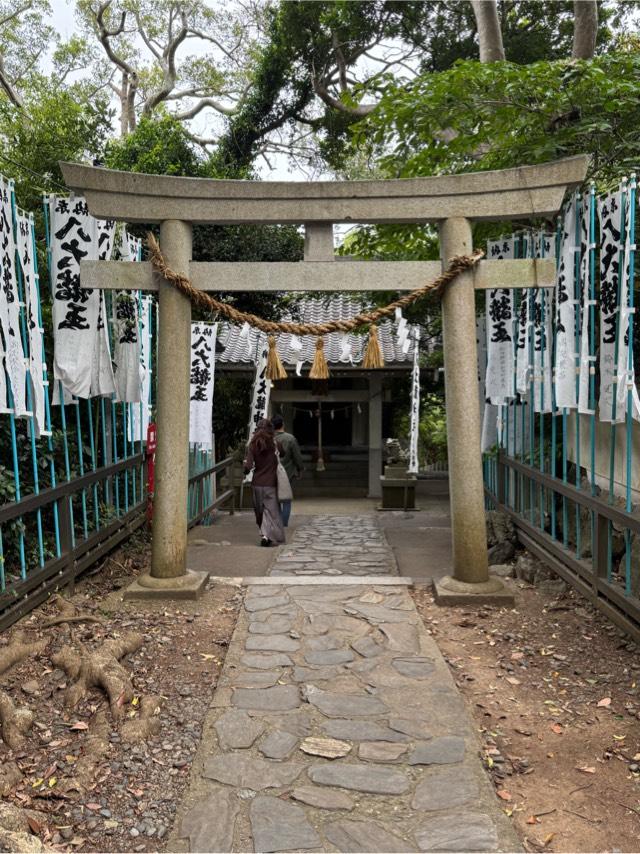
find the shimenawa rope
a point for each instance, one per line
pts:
(319, 369)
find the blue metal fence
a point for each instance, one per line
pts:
(569, 480)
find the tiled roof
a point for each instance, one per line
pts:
(243, 350)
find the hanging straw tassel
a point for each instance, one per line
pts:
(319, 368)
(275, 368)
(373, 357)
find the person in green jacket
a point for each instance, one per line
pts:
(291, 459)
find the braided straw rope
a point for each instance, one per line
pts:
(203, 300)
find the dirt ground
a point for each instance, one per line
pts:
(553, 689)
(105, 794)
(552, 686)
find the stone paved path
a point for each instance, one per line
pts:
(337, 545)
(336, 725)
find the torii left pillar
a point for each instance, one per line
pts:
(169, 575)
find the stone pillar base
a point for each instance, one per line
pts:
(450, 591)
(188, 586)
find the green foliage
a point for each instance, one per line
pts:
(57, 124)
(158, 146)
(491, 116)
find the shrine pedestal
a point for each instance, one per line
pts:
(398, 488)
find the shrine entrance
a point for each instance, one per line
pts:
(452, 202)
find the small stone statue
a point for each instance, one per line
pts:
(394, 453)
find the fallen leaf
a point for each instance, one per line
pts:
(532, 820)
(512, 680)
(93, 806)
(606, 701)
(619, 737)
(52, 782)
(548, 838)
(556, 728)
(586, 769)
(502, 793)
(37, 783)
(79, 725)
(35, 826)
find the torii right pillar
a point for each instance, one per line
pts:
(470, 582)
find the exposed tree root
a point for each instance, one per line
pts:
(96, 747)
(68, 613)
(147, 723)
(15, 721)
(100, 668)
(18, 650)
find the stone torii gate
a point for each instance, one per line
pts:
(453, 202)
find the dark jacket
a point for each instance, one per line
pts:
(290, 455)
(266, 466)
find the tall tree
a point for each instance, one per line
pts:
(489, 30)
(149, 65)
(585, 31)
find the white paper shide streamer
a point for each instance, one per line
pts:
(82, 360)
(565, 368)
(14, 359)
(203, 359)
(414, 423)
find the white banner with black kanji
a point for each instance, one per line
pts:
(610, 215)
(261, 387)
(625, 373)
(500, 332)
(37, 366)
(14, 356)
(126, 329)
(142, 412)
(587, 331)
(203, 360)
(566, 300)
(414, 421)
(82, 359)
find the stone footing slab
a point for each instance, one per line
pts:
(187, 586)
(449, 591)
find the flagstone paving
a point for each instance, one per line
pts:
(337, 545)
(342, 730)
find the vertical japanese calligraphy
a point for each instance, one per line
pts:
(261, 386)
(14, 353)
(203, 359)
(126, 329)
(610, 216)
(37, 368)
(566, 283)
(414, 421)
(82, 360)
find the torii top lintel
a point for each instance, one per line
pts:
(523, 192)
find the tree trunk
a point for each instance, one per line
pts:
(489, 32)
(585, 28)
(124, 105)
